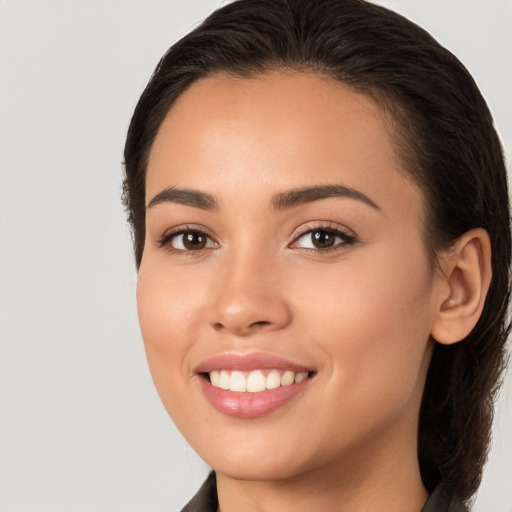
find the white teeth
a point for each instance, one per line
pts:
(224, 380)
(215, 378)
(237, 382)
(301, 376)
(255, 381)
(273, 380)
(287, 379)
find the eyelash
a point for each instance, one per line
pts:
(346, 236)
(166, 239)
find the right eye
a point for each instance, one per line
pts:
(186, 240)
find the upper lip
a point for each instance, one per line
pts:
(248, 362)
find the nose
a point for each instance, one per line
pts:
(248, 297)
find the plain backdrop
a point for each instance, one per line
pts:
(81, 426)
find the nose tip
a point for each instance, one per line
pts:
(244, 308)
(239, 323)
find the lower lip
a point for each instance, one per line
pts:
(251, 405)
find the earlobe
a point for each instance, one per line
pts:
(464, 281)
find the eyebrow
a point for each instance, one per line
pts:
(185, 196)
(280, 202)
(299, 196)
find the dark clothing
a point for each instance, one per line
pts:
(206, 498)
(441, 500)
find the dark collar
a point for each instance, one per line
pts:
(206, 498)
(441, 500)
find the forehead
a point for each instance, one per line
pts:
(275, 132)
(287, 106)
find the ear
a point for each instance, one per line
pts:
(465, 274)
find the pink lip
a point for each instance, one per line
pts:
(248, 362)
(249, 405)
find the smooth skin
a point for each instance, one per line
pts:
(360, 309)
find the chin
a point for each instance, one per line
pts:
(266, 460)
(265, 470)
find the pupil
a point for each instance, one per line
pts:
(194, 241)
(323, 239)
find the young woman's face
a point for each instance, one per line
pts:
(284, 243)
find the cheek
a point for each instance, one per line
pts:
(169, 321)
(374, 324)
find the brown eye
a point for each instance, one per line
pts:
(194, 241)
(190, 241)
(323, 239)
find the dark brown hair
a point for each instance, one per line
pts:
(445, 136)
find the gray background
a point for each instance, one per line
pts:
(81, 427)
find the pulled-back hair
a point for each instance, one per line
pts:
(445, 137)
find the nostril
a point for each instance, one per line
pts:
(261, 323)
(244, 317)
(254, 326)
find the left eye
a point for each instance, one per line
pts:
(322, 239)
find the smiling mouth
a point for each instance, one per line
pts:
(254, 381)
(252, 385)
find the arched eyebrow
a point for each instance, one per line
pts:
(299, 196)
(279, 202)
(185, 196)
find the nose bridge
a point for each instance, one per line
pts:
(247, 296)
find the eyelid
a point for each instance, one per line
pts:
(323, 225)
(349, 236)
(165, 240)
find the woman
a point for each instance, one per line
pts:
(321, 224)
